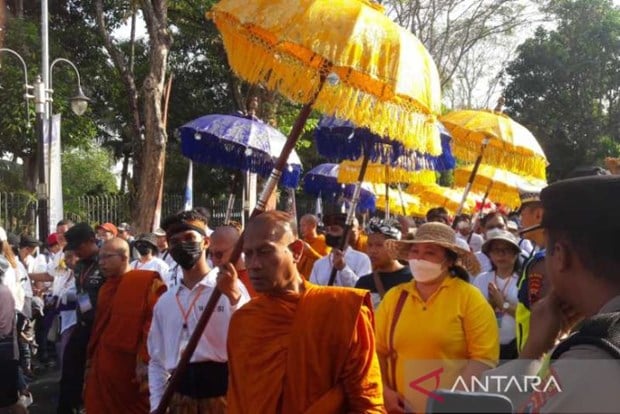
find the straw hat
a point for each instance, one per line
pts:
(503, 235)
(441, 235)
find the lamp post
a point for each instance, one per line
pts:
(43, 107)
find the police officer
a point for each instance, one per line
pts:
(88, 279)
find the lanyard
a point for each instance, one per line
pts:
(505, 288)
(191, 306)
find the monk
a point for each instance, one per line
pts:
(116, 379)
(308, 225)
(358, 240)
(298, 347)
(306, 262)
(223, 241)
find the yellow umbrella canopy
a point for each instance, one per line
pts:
(399, 203)
(348, 173)
(503, 186)
(511, 146)
(450, 198)
(378, 75)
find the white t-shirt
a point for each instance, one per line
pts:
(357, 264)
(155, 264)
(485, 262)
(508, 287)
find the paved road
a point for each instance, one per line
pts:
(45, 392)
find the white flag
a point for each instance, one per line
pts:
(189, 188)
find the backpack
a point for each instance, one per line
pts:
(601, 331)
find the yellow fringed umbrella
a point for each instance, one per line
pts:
(511, 146)
(378, 75)
(408, 204)
(499, 185)
(379, 173)
(449, 198)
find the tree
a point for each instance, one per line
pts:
(451, 28)
(148, 132)
(565, 85)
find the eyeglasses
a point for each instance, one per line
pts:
(504, 251)
(217, 254)
(107, 256)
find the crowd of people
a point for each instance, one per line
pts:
(415, 306)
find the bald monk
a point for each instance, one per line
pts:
(308, 225)
(223, 241)
(116, 380)
(358, 240)
(306, 262)
(298, 347)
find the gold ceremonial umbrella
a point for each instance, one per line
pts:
(345, 57)
(408, 204)
(499, 185)
(450, 198)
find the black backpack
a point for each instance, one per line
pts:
(602, 331)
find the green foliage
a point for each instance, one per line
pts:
(565, 85)
(87, 172)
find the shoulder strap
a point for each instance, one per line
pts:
(391, 351)
(378, 284)
(601, 331)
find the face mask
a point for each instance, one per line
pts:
(143, 250)
(333, 241)
(186, 254)
(425, 271)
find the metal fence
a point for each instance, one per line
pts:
(18, 210)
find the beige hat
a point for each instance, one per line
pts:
(441, 235)
(503, 235)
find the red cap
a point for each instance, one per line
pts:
(108, 227)
(52, 239)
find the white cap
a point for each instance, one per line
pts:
(3, 236)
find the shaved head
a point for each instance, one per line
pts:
(225, 233)
(310, 219)
(222, 243)
(114, 257)
(275, 226)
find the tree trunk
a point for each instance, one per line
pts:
(153, 155)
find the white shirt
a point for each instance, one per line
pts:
(507, 331)
(475, 243)
(11, 280)
(357, 264)
(167, 332)
(64, 286)
(155, 264)
(485, 262)
(24, 279)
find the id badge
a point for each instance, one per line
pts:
(84, 302)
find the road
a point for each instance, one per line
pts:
(45, 392)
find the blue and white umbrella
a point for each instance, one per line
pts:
(239, 143)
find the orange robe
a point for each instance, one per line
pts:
(361, 245)
(306, 262)
(118, 342)
(245, 279)
(312, 352)
(319, 245)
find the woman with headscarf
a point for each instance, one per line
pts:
(499, 286)
(438, 329)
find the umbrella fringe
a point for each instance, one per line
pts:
(348, 174)
(529, 166)
(251, 57)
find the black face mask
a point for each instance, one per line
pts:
(333, 241)
(143, 249)
(186, 254)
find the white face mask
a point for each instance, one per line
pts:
(425, 271)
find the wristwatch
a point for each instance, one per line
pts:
(506, 305)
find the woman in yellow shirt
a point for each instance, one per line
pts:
(437, 331)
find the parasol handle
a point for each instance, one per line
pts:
(270, 185)
(402, 200)
(484, 199)
(472, 177)
(351, 214)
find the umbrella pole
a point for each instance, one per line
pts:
(270, 186)
(351, 214)
(478, 213)
(387, 193)
(472, 176)
(231, 200)
(402, 200)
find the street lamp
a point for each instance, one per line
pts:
(42, 97)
